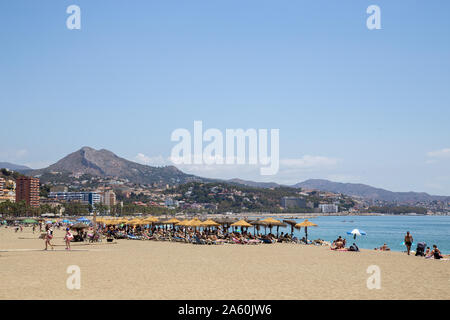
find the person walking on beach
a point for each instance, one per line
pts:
(68, 237)
(408, 241)
(48, 237)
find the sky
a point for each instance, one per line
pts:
(351, 104)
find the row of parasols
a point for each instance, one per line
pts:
(226, 222)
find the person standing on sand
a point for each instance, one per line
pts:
(68, 237)
(408, 241)
(48, 237)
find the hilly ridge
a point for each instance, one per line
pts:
(104, 163)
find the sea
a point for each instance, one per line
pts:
(389, 229)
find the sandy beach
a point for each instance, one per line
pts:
(133, 269)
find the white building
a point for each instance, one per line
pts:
(328, 208)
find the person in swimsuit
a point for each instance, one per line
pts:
(408, 241)
(48, 237)
(68, 237)
(436, 253)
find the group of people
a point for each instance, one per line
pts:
(49, 236)
(435, 253)
(183, 234)
(339, 245)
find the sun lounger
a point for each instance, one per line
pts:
(254, 241)
(133, 237)
(196, 240)
(266, 240)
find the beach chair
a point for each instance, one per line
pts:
(198, 241)
(254, 241)
(266, 241)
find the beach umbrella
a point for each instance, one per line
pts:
(226, 222)
(210, 223)
(184, 223)
(151, 219)
(79, 226)
(356, 232)
(172, 221)
(133, 221)
(273, 222)
(83, 220)
(242, 224)
(292, 223)
(306, 224)
(256, 224)
(29, 221)
(195, 222)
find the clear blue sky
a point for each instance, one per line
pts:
(352, 104)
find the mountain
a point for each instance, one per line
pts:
(12, 166)
(253, 183)
(368, 192)
(104, 163)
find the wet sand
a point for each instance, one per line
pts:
(133, 269)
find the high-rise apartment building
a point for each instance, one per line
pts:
(27, 189)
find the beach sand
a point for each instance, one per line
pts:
(131, 269)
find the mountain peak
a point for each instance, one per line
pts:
(104, 163)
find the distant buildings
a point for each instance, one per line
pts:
(7, 190)
(84, 197)
(292, 202)
(109, 198)
(328, 208)
(27, 189)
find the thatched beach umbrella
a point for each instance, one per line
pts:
(273, 222)
(242, 224)
(256, 224)
(306, 224)
(172, 221)
(293, 224)
(226, 222)
(185, 224)
(210, 223)
(194, 223)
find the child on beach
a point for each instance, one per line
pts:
(68, 237)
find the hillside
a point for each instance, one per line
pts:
(104, 163)
(368, 192)
(12, 166)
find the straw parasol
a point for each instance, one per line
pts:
(292, 223)
(241, 223)
(226, 222)
(151, 220)
(256, 224)
(273, 222)
(210, 223)
(172, 221)
(306, 224)
(195, 222)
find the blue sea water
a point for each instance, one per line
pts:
(387, 229)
